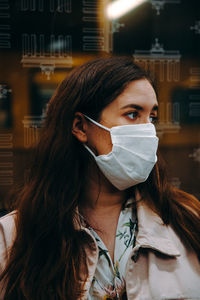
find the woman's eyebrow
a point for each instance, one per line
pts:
(138, 107)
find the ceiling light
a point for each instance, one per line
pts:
(118, 8)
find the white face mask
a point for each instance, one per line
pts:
(133, 154)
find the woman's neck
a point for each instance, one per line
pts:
(100, 194)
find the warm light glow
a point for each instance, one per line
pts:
(118, 8)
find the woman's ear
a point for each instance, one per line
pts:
(79, 127)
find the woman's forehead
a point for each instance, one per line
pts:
(139, 92)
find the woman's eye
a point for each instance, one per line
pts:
(132, 115)
(153, 119)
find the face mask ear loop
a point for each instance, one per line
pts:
(96, 123)
(108, 129)
(90, 151)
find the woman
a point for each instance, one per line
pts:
(97, 218)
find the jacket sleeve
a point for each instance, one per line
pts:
(3, 249)
(7, 235)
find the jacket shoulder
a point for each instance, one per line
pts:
(7, 236)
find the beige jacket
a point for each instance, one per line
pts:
(159, 267)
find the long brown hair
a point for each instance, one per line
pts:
(48, 257)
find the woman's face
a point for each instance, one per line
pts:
(136, 105)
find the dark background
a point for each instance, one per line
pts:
(25, 89)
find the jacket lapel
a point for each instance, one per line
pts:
(153, 233)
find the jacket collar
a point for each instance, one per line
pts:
(153, 233)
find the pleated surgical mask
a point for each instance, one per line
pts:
(133, 154)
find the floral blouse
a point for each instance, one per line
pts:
(109, 279)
